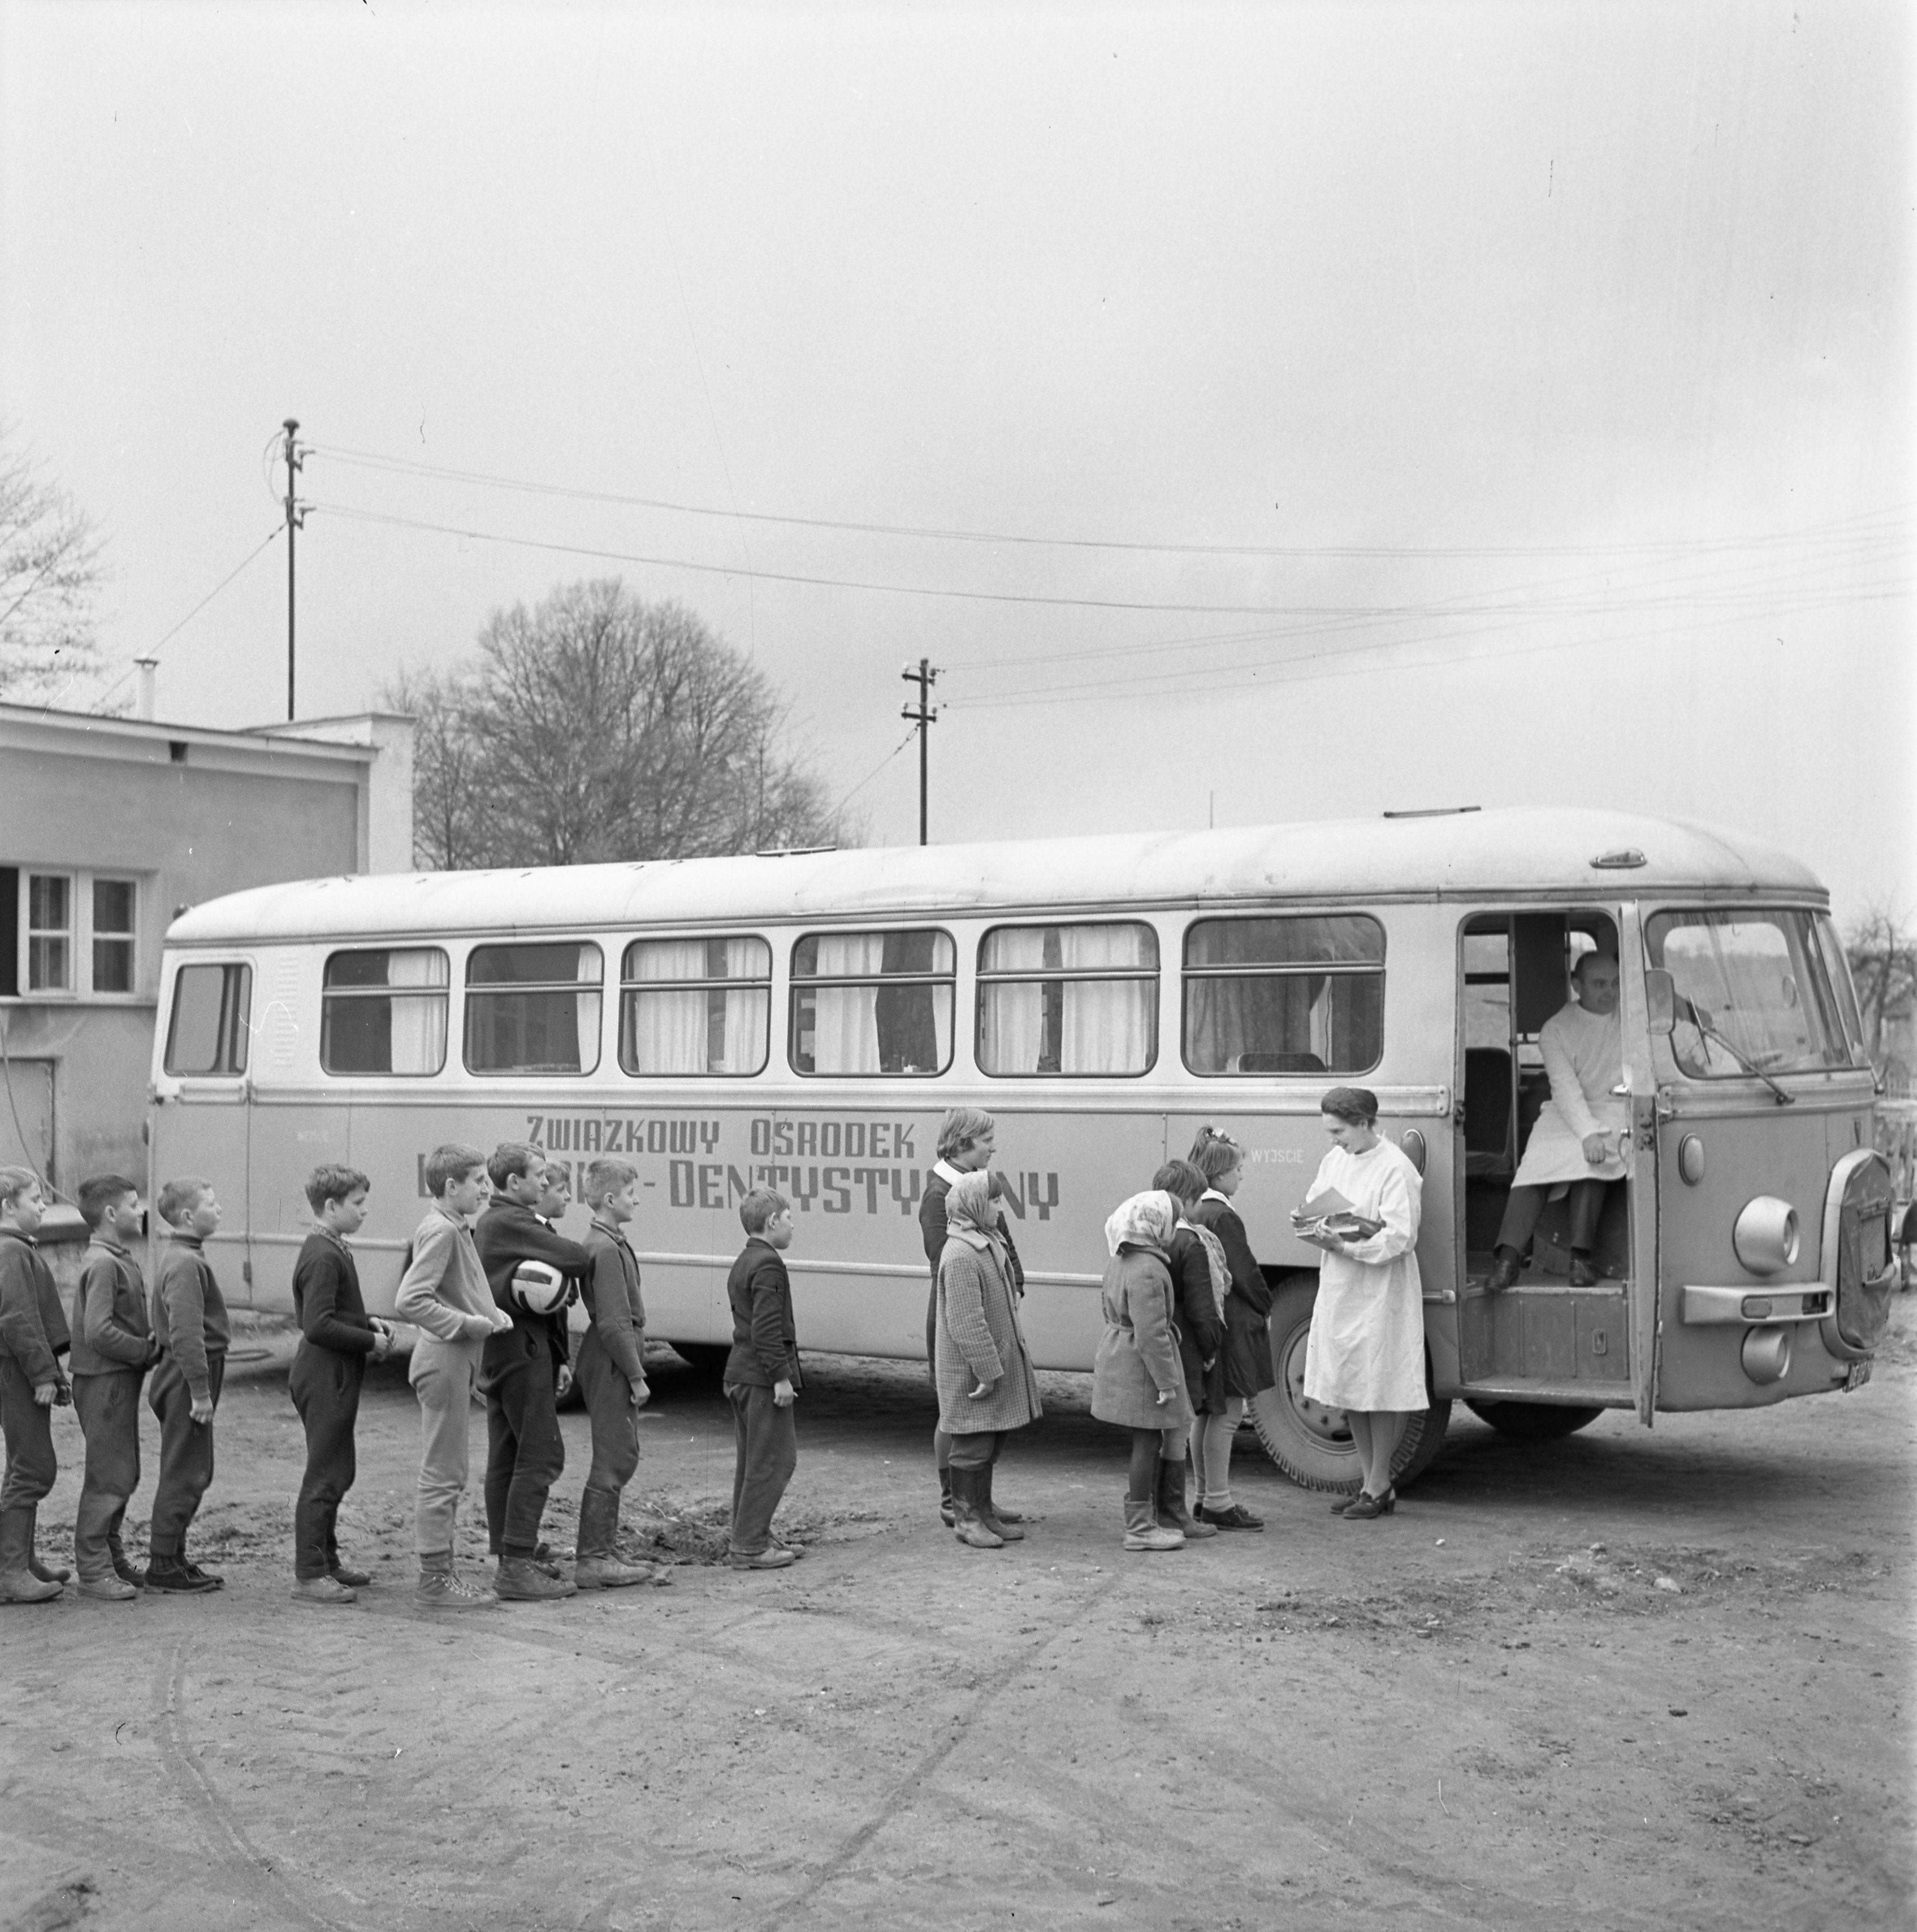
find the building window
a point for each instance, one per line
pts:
(113, 935)
(208, 1030)
(695, 1005)
(49, 932)
(873, 1002)
(384, 1011)
(1304, 995)
(1068, 999)
(533, 1009)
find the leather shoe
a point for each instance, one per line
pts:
(1504, 1270)
(353, 1579)
(1362, 1507)
(776, 1558)
(1583, 1274)
(1235, 1515)
(1343, 1505)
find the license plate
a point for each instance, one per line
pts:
(1860, 1374)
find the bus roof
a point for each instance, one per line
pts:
(1550, 852)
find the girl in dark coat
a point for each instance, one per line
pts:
(1247, 1352)
(1201, 1279)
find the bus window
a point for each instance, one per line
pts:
(208, 1033)
(1752, 993)
(533, 1009)
(1068, 999)
(1285, 995)
(873, 1002)
(384, 1011)
(695, 1005)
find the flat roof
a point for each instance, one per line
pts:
(1473, 853)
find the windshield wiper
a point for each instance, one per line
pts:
(1710, 1032)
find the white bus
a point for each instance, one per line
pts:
(805, 1020)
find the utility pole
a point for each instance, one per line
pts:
(295, 520)
(924, 676)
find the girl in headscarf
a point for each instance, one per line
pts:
(1247, 1368)
(1201, 1279)
(1137, 1381)
(986, 1386)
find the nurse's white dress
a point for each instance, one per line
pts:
(1584, 1055)
(1367, 1347)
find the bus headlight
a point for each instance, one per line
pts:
(1767, 1355)
(1765, 1235)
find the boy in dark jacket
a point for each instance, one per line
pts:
(523, 1371)
(761, 1379)
(337, 1338)
(190, 1325)
(113, 1348)
(33, 1337)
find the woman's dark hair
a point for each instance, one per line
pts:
(1180, 1179)
(1357, 1105)
(1213, 1153)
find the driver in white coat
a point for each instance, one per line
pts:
(1574, 1147)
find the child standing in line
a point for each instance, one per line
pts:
(189, 1323)
(33, 1337)
(337, 1338)
(444, 1293)
(761, 1380)
(113, 1348)
(611, 1375)
(524, 1370)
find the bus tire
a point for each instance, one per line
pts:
(702, 1358)
(1311, 1444)
(1533, 1421)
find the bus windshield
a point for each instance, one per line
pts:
(1755, 992)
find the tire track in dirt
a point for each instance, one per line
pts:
(250, 1870)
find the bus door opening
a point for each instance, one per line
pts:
(1546, 1329)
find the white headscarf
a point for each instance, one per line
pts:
(969, 1214)
(1145, 1221)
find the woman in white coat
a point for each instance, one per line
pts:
(1365, 1353)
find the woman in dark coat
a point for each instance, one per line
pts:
(1247, 1355)
(1201, 1279)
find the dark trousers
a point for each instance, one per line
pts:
(28, 1430)
(767, 1442)
(324, 1385)
(525, 1453)
(108, 1406)
(977, 1449)
(1526, 1204)
(608, 1396)
(186, 1451)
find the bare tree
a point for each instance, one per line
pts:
(597, 726)
(49, 568)
(1883, 963)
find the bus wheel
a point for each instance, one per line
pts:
(1312, 1443)
(704, 1358)
(1533, 1421)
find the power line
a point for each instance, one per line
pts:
(403, 466)
(872, 774)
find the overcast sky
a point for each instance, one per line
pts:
(1433, 404)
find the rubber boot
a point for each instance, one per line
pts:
(945, 1513)
(18, 1584)
(598, 1564)
(1172, 1513)
(58, 1574)
(967, 1486)
(1142, 1527)
(994, 1519)
(440, 1589)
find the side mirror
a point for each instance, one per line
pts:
(1660, 998)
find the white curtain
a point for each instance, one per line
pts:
(1108, 1023)
(418, 1021)
(845, 1018)
(668, 1029)
(591, 972)
(1013, 1026)
(748, 1009)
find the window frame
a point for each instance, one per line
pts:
(496, 988)
(984, 977)
(443, 992)
(1187, 973)
(797, 983)
(242, 1035)
(704, 984)
(79, 934)
(129, 937)
(69, 988)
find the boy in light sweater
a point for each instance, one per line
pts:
(191, 1325)
(445, 1294)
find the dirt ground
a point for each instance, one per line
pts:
(1632, 1679)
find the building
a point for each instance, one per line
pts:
(110, 828)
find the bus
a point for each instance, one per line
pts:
(804, 1021)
